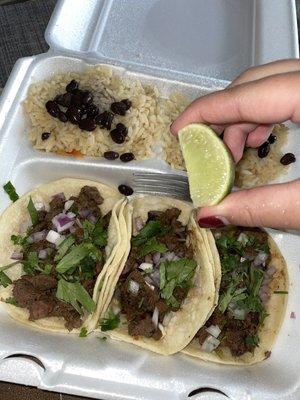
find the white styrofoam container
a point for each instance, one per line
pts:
(192, 46)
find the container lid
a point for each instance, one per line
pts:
(215, 39)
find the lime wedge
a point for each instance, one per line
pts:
(209, 164)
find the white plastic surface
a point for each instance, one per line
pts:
(114, 370)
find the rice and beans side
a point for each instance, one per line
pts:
(99, 113)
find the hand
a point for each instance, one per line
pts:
(247, 109)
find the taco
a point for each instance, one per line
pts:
(56, 245)
(164, 288)
(252, 299)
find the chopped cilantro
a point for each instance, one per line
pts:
(99, 235)
(76, 295)
(5, 267)
(152, 246)
(151, 229)
(75, 256)
(83, 332)
(32, 212)
(252, 340)
(64, 247)
(141, 302)
(32, 263)
(110, 322)
(11, 191)
(175, 273)
(4, 279)
(47, 270)
(19, 240)
(280, 292)
(11, 300)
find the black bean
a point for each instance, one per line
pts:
(122, 129)
(76, 99)
(87, 124)
(45, 135)
(92, 110)
(127, 103)
(263, 150)
(117, 136)
(74, 114)
(272, 139)
(126, 190)
(111, 155)
(52, 108)
(62, 117)
(118, 108)
(73, 85)
(63, 100)
(105, 119)
(86, 97)
(126, 157)
(288, 158)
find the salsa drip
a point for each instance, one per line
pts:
(244, 292)
(158, 273)
(62, 253)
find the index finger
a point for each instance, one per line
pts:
(269, 100)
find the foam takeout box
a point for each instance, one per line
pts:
(192, 46)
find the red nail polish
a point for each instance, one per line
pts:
(211, 222)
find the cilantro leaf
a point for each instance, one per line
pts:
(252, 340)
(88, 228)
(110, 322)
(83, 332)
(4, 279)
(11, 300)
(32, 263)
(256, 278)
(32, 212)
(75, 294)
(152, 246)
(99, 235)
(150, 230)
(64, 247)
(11, 191)
(280, 292)
(75, 256)
(47, 270)
(19, 240)
(175, 273)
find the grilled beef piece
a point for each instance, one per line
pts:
(139, 307)
(88, 200)
(233, 331)
(37, 294)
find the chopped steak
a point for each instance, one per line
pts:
(37, 294)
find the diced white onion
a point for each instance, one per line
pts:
(62, 222)
(38, 236)
(17, 255)
(43, 254)
(243, 238)
(210, 344)
(261, 258)
(68, 204)
(134, 287)
(155, 277)
(162, 329)
(156, 257)
(71, 215)
(139, 223)
(239, 313)
(242, 259)
(150, 286)
(170, 256)
(39, 206)
(214, 330)
(155, 317)
(53, 237)
(146, 267)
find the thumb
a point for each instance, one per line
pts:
(275, 206)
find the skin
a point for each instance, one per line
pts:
(246, 111)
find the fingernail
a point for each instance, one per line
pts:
(213, 222)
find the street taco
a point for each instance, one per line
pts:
(55, 243)
(164, 289)
(252, 299)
